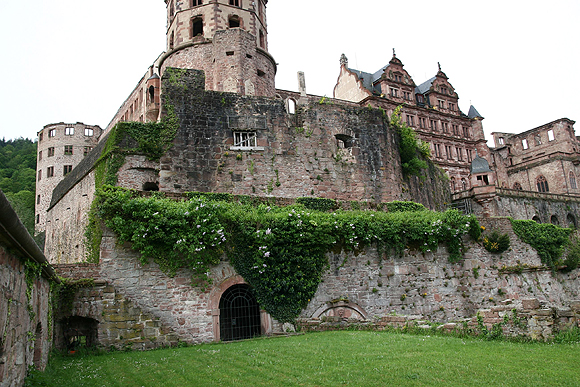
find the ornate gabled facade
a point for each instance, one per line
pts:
(430, 108)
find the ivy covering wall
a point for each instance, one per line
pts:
(279, 251)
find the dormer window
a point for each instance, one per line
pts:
(420, 98)
(443, 90)
(501, 141)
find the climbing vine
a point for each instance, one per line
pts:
(280, 251)
(413, 151)
(151, 139)
(548, 240)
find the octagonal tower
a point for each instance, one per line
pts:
(228, 39)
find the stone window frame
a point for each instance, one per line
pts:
(542, 184)
(551, 136)
(244, 129)
(236, 20)
(52, 133)
(69, 131)
(194, 22)
(68, 150)
(410, 120)
(245, 140)
(86, 150)
(501, 140)
(89, 132)
(39, 175)
(394, 92)
(196, 3)
(517, 186)
(50, 151)
(291, 106)
(66, 169)
(50, 171)
(236, 3)
(39, 155)
(572, 178)
(525, 145)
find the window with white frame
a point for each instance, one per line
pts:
(245, 139)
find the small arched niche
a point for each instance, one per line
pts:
(554, 220)
(150, 186)
(571, 220)
(79, 332)
(537, 219)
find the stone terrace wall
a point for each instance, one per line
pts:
(139, 306)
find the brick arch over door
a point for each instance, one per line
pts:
(214, 305)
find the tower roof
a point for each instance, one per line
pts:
(473, 113)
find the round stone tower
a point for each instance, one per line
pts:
(228, 39)
(60, 148)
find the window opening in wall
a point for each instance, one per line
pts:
(571, 220)
(469, 155)
(455, 129)
(68, 150)
(39, 175)
(518, 186)
(239, 314)
(433, 124)
(89, 132)
(451, 106)
(37, 218)
(537, 219)
(554, 220)
(483, 180)
(445, 127)
(525, 144)
(229, 53)
(452, 184)
(69, 131)
(37, 354)
(464, 184)
(420, 99)
(573, 180)
(235, 2)
(538, 139)
(150, 186)
(171, 40)
(262, 40)
(66, 169)
(291, 106)
(40, 137)
(261, 73)
(410, 120)
(441, 104)
(422, 122)
(459, 153)
(195, 3)
(151, 94)
(394, 92)
(551, 135)
(234, 22)
(40, 156)
(86, 150)
(448, 152)
(542, 184)
(465, 132)
(196, 27)
(344, 141)
(501, 141)
(245, 139)
(50, 172)
(171, 10)
(52, 133)
(38, 199)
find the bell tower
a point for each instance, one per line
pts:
(228, 39)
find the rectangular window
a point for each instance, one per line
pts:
(38, 199)
(52, 133)
(422, 122)
(50, 172)
(501, 141)
(69, 131)
(437, 150)
(445, 127)
(451, 106)
(551, 135)
(455, 129)
(66, 170)
(469, 155)
(448, 152)
(87, 150)
(40, 137)
(410, 120)
(459, 152)
(39, 175)
(51, 151)
(433, 124)
(394, 92)
(39, 155)
(441, 104)
(465, 132)
(68, 150)
(245, 139)
(525, 144)
(407, 95)
(89, 132)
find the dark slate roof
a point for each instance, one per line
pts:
(473, 113)
(425, 86)
(479, 165)
(368, 79)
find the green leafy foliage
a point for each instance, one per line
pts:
(280, 251)
(319, 204)
(572, 260)
(63, 293)
(496, 242)
(18, 177)
(548, 240)
(413, 151)
(405, 207)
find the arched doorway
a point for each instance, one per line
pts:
(239, 314)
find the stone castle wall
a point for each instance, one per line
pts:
(357, 288)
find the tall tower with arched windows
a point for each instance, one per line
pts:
(228, 39)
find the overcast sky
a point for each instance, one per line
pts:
(517, 62)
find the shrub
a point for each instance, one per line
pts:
(496, 242)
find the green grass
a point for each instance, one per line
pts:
(345, 358)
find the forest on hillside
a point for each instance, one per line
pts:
(18, 177)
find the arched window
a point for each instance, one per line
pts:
(464, 184)
(571, 220)
(542, 184)
(291, 106)
(452, 184)
(573, 181)
(234, 21)
(554, 220)
(151, 94)
(537, 219)
(517, 186)
(196, 27)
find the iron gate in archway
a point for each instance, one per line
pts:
(239, 314)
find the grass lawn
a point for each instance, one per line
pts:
(345, 358)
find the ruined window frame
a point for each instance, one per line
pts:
(551, 136)
(572, 179)
(50, 171)
(52, 133)
(245, 140)
(69, 131)
(525, 144)
(89, 132)
(50, 151)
